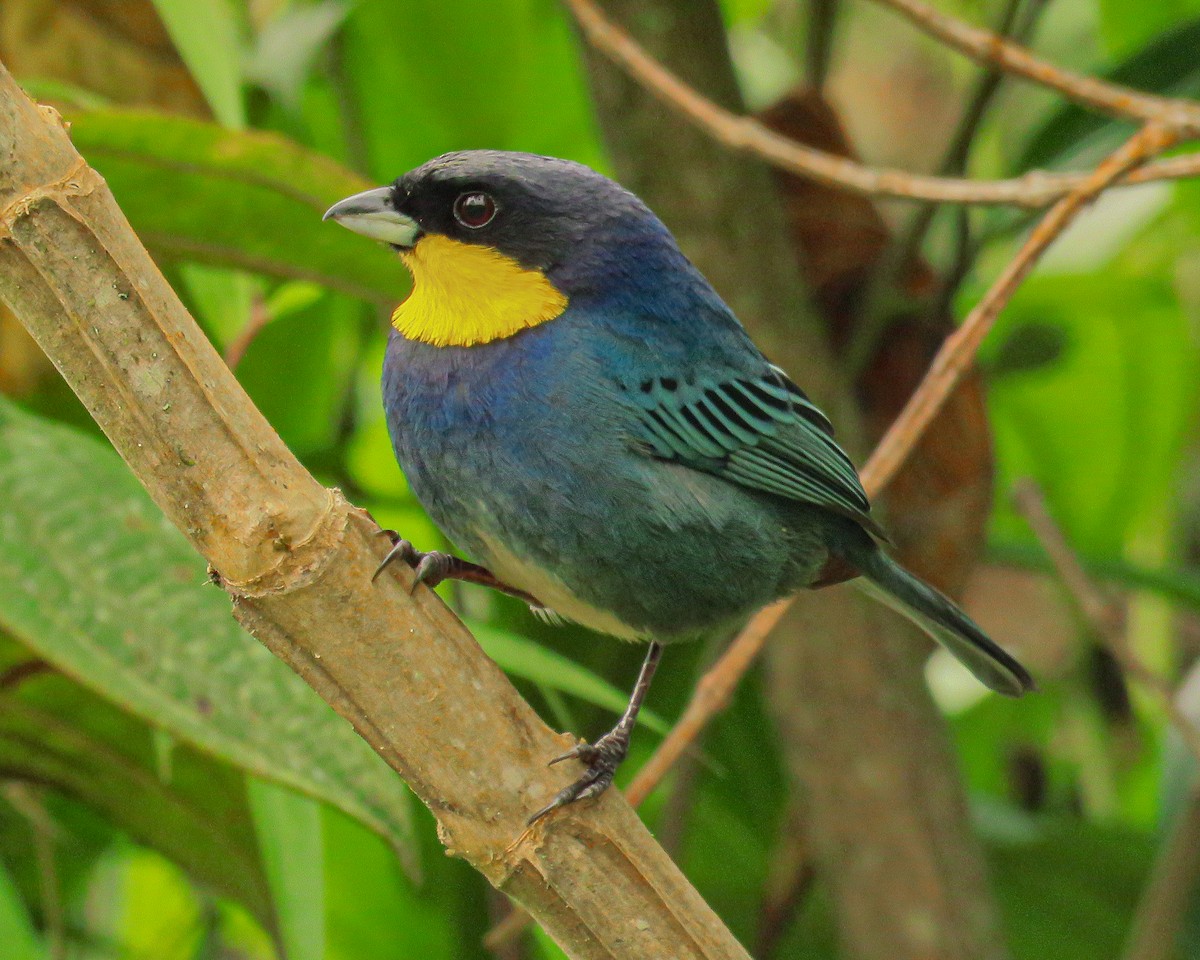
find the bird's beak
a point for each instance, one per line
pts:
(372, 214)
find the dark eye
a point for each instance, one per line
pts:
(474, 209)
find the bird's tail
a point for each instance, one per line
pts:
(939, 617)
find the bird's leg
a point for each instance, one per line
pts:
(605, 755)
(433, 567)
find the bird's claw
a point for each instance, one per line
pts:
(401, 550)
(428, 568)
(601, 758)
(434, 567)
(583, 751)
(431, 569)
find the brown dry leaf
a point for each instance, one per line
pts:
(937, 506)
(118, 49)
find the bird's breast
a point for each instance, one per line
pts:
(488, 435)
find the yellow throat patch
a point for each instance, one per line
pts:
(465, 294)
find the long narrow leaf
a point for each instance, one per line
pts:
(194, 191)
(530, 661)
(206, 34)
(289, 828)
(1167, 65)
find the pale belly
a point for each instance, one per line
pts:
(552, 592)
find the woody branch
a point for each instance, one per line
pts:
(1033, 190)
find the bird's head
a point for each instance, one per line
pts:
(499, 242)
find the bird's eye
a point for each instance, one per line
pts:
(474, 209)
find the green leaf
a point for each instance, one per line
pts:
(1129, 24)
(523, 658)
(461, 86)
(20, 940)
(208, 37)
(1101, 430)
(293, 851)
(1074, 885)
(1167, 65)
(373, 914)
(143, 906)
(192, 809)
(194, 191)
(547, 949)
(220, 299)
(313, 333)
(98, 583)
(368, 453)
(317, 343)
(288, 45)
(63, 93)
(740, 12)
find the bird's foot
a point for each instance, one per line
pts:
(602, 759)
(605, 755)
(434, 567)
(430, 568)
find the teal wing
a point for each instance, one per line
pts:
(761, 432)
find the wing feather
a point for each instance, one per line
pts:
(760, 432)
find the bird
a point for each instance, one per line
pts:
(579, 411)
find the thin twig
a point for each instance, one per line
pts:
(954, 162)
(1169, 892)
(903, 252)
(965, 249)
(746, 135)
(1182, 116)
(1012, 27)
(259, 317)
(1097, 610)
(958, 352)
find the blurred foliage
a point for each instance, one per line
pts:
(168, 790)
